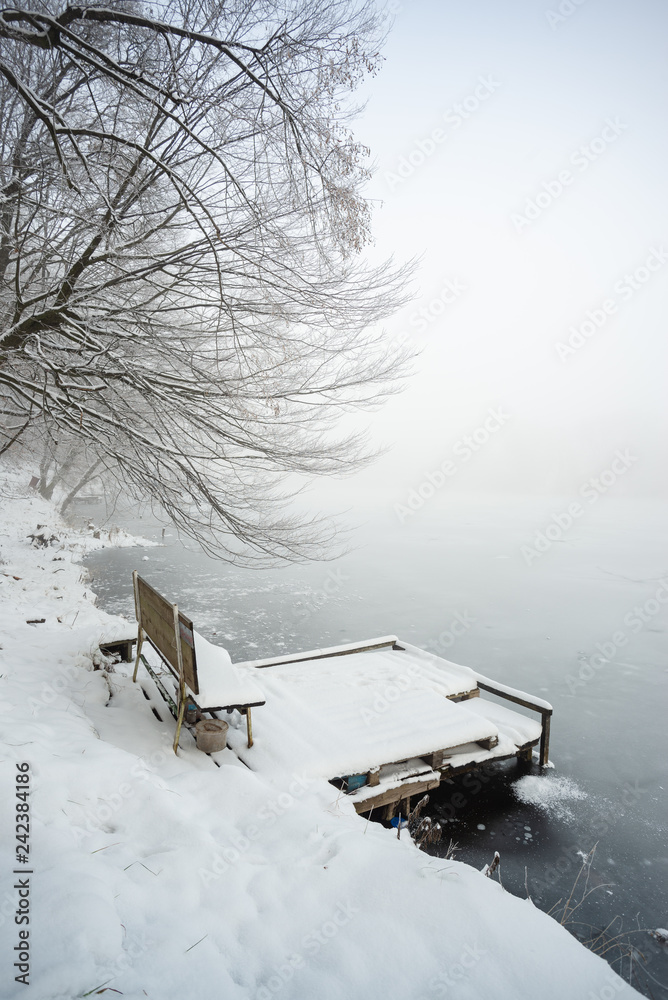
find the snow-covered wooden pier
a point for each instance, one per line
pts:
(386, 721)
(382, 720)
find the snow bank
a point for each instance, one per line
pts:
(170, 877)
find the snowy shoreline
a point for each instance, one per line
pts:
(164, 876)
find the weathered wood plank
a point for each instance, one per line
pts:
(448, 772)
(393, 795)
(156, 617)
(161, 635)
(463, 695)
(150, 598)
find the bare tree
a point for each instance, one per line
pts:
(67, 466)
(181, 228)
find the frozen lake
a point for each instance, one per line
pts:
(582, 623)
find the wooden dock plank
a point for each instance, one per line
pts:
(392, 795)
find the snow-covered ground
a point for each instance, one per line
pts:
(152, 875)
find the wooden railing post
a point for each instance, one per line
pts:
(140, 632)
(140, 641)
(182, 680)
(545, 714)
(545, 740)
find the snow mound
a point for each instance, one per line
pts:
(548, 793)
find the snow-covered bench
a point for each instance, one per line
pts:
(205, 673)
(119, 638)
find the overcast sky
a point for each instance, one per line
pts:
(521, 151)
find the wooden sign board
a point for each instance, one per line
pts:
(156, 617)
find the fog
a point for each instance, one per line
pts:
(520, 152)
